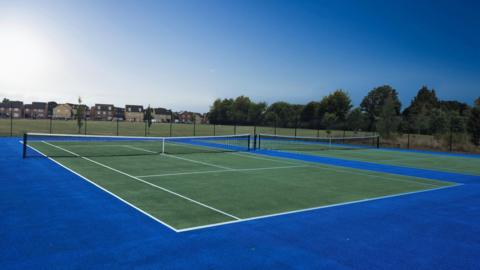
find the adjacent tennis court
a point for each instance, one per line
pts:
(194, 182)
(366, 149)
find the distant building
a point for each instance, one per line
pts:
(119, 113)
(162, 115)
(103, 112)
(11, 109)
(86, 110)
(62, 111)
(134, 113)
(50, 106)
(189, 117)
(40, 110)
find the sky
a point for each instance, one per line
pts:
(184, 54)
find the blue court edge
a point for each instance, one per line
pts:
(51, 218)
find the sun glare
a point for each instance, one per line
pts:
(25, 57)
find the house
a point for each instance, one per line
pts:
(134, 113)
(12, 109)
(50, 106)
(62, 111)
(36, 110)
(162, 115)
(119, 113)
(85, 108)
(103, 112)
(27, 110)
(189, 117)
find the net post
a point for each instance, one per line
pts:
(24, 150)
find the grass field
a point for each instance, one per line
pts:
(21, 126)
(188, 191)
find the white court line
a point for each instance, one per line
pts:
(220, 171)
(104, 189)
(146, 182)
(313, 208)
(252, 218)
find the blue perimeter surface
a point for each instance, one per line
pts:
(54, 219)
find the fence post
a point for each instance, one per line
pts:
(194, 125)
(296, 124)
(255, 130)
(275, 126)
(11, 119)
(214, 129)
(451, 139)
(408, 140)
(145, 127)
(50, 124)
(85, 131)
(235, 129)
(171, 122)
(117, 125)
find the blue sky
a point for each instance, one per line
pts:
(184, 54)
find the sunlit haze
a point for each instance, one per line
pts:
(184, 54)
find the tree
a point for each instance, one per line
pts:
(256, 113)
(457, 122)
(283, 114)
(337, 103)
(474, 123)
(149, 116)
(309, 114)
(80, 113)
(5, 100)
(356, 120)
(373, 103)
(438, 121)
(328, 120)
(388, 119)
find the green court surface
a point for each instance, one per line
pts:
(187, 191)
(437, 162)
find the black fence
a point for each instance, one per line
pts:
(451, 141)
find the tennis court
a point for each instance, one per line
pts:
(366, 150)
(194, 182)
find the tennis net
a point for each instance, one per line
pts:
(295, 143)
(66, 145)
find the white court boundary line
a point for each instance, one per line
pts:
(251, 218)
(315, 208)
(148, 183)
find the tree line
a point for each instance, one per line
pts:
(379, 111)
